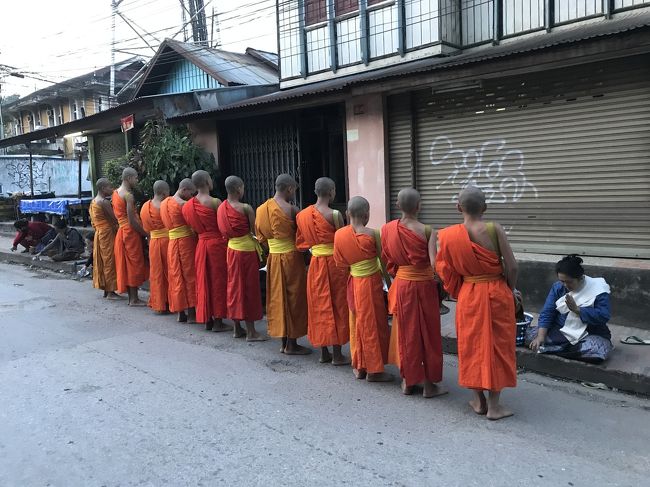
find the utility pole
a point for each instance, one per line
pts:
(111, 93)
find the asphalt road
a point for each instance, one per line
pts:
(93, 393)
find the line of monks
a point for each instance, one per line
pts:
(205, 255)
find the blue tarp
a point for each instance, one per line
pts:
(56, 206)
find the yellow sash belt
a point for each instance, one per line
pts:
(281, 245)
(322, 250)
(180, 232)
(245, 243)
(415, 273)
(365, 268)
(160, 233)
(122, 222)
(483, 278)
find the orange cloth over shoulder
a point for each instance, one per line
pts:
(286, 275)
(485, 312)
(326, 282)
(369, 332)
(413, 302)
(104, 273)
(181, 274)
(209, 261)
(132, 270)
(158, 243)
(244, 293)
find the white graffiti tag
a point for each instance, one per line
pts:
(494, 168)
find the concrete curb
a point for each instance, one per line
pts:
(571, 369)
(26, 259)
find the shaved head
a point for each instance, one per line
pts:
(161, 188)
(186, 184)
(324, 187)
(129, 172)
(233, 183)
(102, 184)
(408, 200)
(284, 182)
(358, 207)
(472, 201)
(201, 178)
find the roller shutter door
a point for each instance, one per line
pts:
(399, 133)
(564, 157)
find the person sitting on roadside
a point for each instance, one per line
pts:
(573, 322)
(67, 245)
(31, 235)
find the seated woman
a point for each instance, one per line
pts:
(573, 322)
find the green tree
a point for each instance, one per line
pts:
(165, 152)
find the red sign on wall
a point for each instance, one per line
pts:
(127, 123)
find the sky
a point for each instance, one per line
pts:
(58, 40)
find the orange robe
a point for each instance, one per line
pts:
(413, 302)
(158, 243)
(369, 334)
(132, 270)
(181, 274)
(326, 282)
(104, 274)
(209, 261)
(244, 295)
(485, 312)
(286, 275)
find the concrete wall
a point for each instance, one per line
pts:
(50, 174)
(366, 154)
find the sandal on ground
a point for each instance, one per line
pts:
(634, 340)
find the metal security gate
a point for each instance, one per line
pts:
(563, 157)
(107, 148)
(258, 150)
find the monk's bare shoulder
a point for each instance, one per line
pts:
(371, 232)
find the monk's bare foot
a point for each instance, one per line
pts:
(406, 390)
(380, 377)
(283, 347)
(191, 315)
(209, 325)
(113, 296)
(162, 313)
(433, 390)
(295, 349)
(238, 331)
(219, 326)
(137, 302)
(359, 373)
(182, 317)
(479, 403)
(494, 408)
(498, 412)
(325, 356)
(341, 360)
(256, 337)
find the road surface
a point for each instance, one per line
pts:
(94, 393)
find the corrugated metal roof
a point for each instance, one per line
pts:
(621, 22)
(236, 68)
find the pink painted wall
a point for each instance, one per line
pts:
(365, 151)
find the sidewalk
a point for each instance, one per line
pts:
(627, 370)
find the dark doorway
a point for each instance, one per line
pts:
(322, 151)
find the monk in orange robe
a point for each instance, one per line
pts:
(105, 225)
(409, 249)
(286, 275)
(469, 263)
(355, 246)
(237, 223)
(200, 213)
(326, 282)
(181, 274)
(158, 243)
(131, 267)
